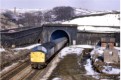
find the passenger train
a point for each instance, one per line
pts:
(42, 54)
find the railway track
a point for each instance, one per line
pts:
(36, 74)
(27, 73)
(14, 71)
(24, 71)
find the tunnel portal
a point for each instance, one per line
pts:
(59, 34)
(55, 31)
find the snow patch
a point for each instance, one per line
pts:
(83, 46)
(105, 20)
(9, 67)
(27, 47)
(2, 49)
(111, 70)
(56, 78)
(101, 29)
(80, 11)
(70, 50)
(95, 23)
(22, 48)
(99, 51)
(89, 69)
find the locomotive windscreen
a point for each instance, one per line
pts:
(39, 48)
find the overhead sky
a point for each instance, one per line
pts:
(49, 4)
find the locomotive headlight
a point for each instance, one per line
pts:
(32, 59)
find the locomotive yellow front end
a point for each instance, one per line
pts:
(37, 59)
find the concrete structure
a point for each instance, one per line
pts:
(111, 56)
(54, 31)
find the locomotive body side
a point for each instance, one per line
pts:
(60, 43)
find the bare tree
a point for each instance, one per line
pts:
(31, 19)
(48, 16)
(63, 12)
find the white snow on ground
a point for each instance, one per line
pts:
(83, 46)
(101, 29)
(98, 51)
(81, 11)
(110, 70)
(21, 10)
(71, 50)
(22, 48)
(8, 68)
(105, 20)
(89, 69)
(2, 49)
(89, 23)
(56, 78)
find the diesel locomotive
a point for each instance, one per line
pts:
(42, 54)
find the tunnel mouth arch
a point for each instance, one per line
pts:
(59, 34)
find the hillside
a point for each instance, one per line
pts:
(36, 17)
(6, 23)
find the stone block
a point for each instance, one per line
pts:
(111, 56)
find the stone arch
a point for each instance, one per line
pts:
(58, 34)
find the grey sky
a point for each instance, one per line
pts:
(49, 4)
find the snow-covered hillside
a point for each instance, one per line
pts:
(80, 11)
(85, 19)
(21, 10)
(105, 20)
(105, 23)
(77, 11)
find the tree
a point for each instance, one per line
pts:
(63, 12)
(10, 15)
(31, 19)
(47, 16)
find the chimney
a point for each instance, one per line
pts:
(14, 10)
(111, 43)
